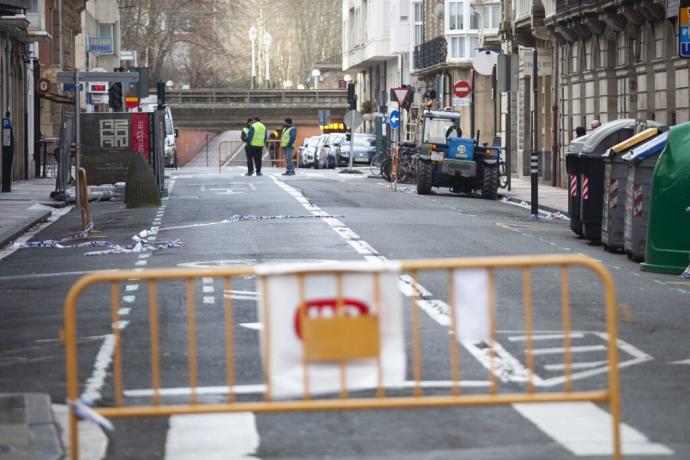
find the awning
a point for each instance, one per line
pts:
(647, 149)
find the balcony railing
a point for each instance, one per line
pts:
(523, 9)
(563, 6)
(430, 53)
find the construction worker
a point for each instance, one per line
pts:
(287, 141)
(256, 141)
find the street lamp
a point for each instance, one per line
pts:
(316, 73)
(347, 78)
(252, 37)
(268, 40)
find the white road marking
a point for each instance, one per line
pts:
(683, 361)
(140, 263)
(208, 289)
(94, 384)
(523, 338)
(579, 365)
(144, 255)
(209, 299)
(124, 311)
(131, 287)
(504, 365)
(560, 350)
(253, 326)
(259, 388)
(207, 280)
(409, 287)
(129, 298)
(585, 429)
(121, 325)
(212, 437)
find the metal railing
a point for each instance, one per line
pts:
(255, 98)
(329, 339)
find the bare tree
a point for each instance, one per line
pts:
(205, 42)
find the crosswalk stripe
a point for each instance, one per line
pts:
(212, 437)
(585, 429)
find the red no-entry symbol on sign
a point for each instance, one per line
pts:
(462, 89)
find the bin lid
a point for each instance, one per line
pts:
(596, 137)
(647, 149)
(632, 142)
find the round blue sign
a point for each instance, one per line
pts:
(394, 119)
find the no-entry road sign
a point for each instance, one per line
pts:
(462, 89)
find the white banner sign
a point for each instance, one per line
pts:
(472, 305)
(544, 62)
(281, 284)
(462, 101)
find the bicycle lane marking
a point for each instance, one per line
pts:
(94, 443)
(597, 420)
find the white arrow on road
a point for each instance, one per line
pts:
(682, 361)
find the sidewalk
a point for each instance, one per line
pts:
(16, 212)
(28, 428)
(553, 199)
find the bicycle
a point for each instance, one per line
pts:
(377, 162)
(502, 172)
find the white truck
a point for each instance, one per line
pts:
(149, 104)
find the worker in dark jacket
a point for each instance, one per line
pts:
(287, 142)
(256, 141)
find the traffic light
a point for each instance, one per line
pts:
(351, 96)
(115, 96)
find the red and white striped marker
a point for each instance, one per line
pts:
(585, 188)
(638, 198)
(573, 185)
(613, 193)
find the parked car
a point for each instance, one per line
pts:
(307, 152)
(317, 161)
(328, 149)
(364, 149)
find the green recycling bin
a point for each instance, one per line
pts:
(668, 237)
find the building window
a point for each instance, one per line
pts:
(365, 20)
(492, 17)
(351, 28)
(418, 24)
(474, 46)
(474, 19)
(456, 17)
(105, 30)
(457, 48)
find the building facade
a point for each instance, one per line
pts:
(429, 44)
(610, 59)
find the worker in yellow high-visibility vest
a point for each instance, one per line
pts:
(256, 141)
(287, 141)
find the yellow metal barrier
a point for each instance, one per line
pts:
(84, 199)
(330, 339)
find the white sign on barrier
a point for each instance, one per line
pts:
(281, 284)
(472, 304)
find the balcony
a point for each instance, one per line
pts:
(564, 6)
(430, 53)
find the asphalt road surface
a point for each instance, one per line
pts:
(368, 222)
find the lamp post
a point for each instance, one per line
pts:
(316, 73)
(252, 37)
(268, 40)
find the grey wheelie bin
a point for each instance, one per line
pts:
(592, 172)
(572, 167)
(615, 179)
(641, 162)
